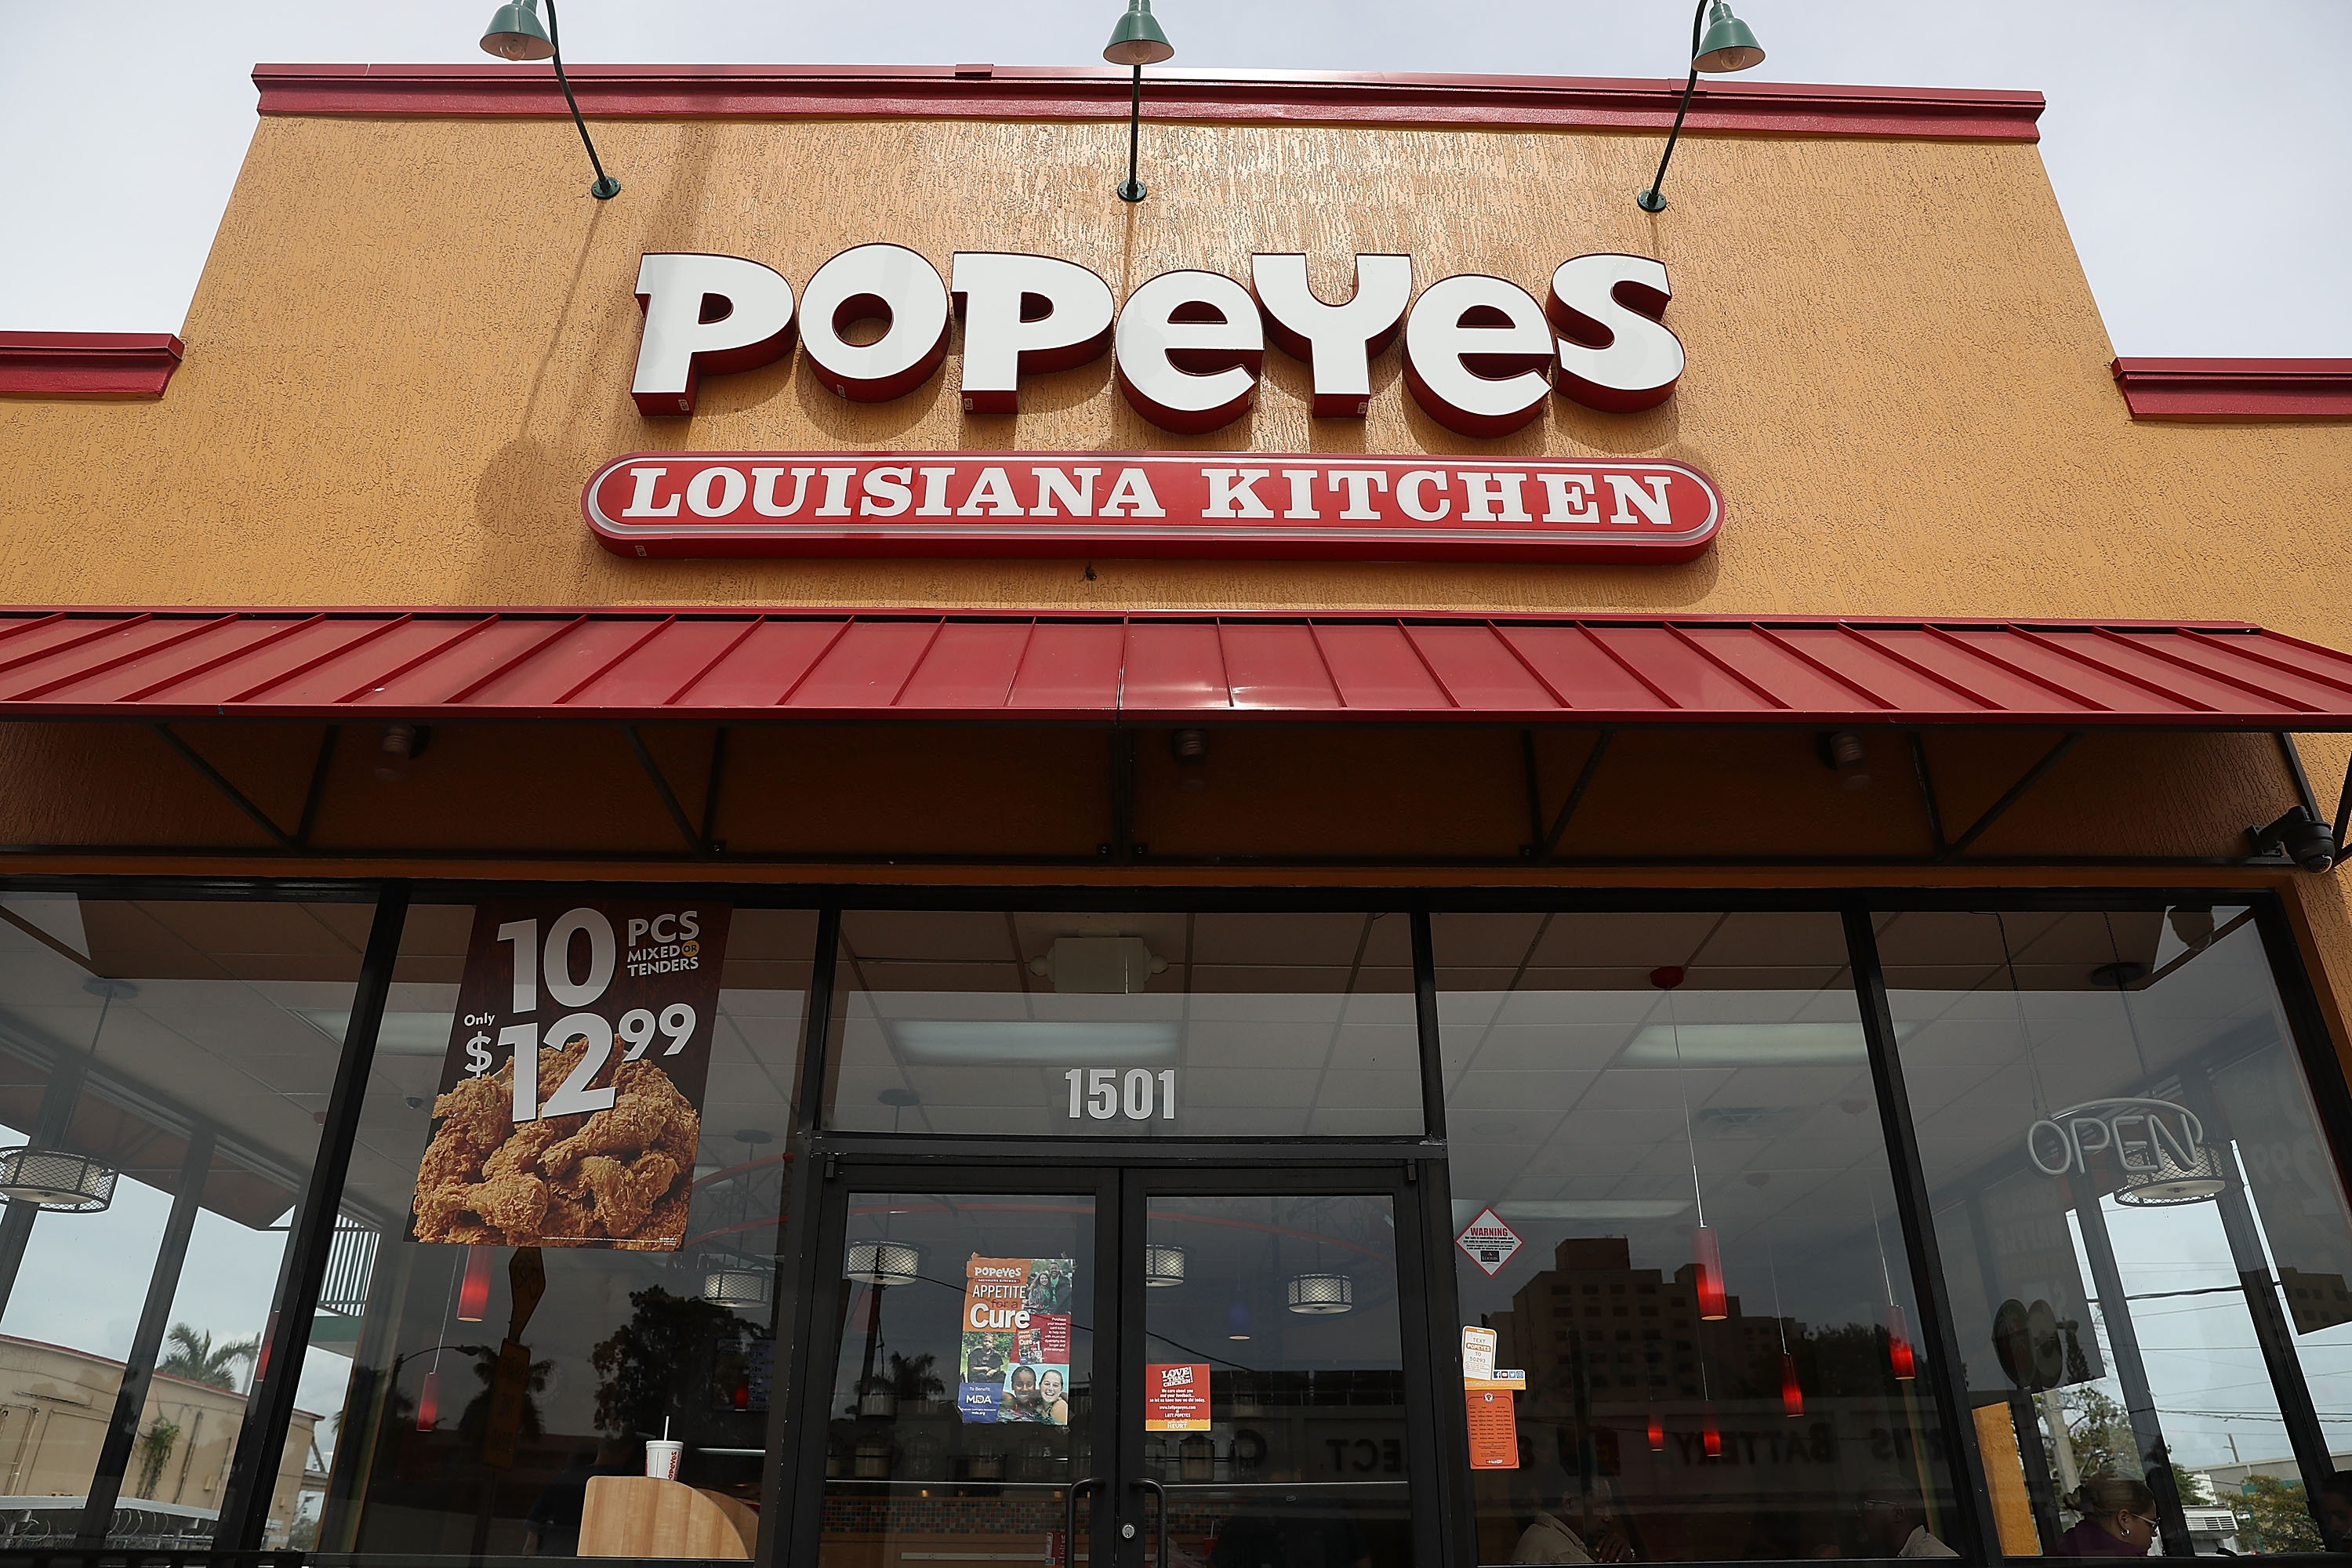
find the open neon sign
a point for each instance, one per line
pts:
(2148, 1136)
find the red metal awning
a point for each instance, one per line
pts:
(737, 667)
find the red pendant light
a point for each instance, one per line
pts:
(428, 1403)
(1657, 1434)
(1899, 1345)
(1792, 1397)
(474, 1294)
(1712, 1307)
(1711, 1437)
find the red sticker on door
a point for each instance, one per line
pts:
(1176, 1396)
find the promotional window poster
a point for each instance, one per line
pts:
(1016, 1341)
(569, 1106)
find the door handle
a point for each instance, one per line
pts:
(1070, 1519)
(1159, 1493)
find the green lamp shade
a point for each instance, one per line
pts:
(1728, 44)
(515, 33)
(1137, 40)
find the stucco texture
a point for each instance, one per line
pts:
(413, 342)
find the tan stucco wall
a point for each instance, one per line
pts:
(55, 1405)
(413, 342)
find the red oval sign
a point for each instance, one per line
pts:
(1268, 505)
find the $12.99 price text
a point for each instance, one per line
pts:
(651, 950)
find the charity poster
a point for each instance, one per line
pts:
(1014, 1363)
(1494, 1429)
(569, 1106)
(1176, 1396)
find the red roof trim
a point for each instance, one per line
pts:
(222, 664)
(87, 364)
(2236, 388)
(1094, 92)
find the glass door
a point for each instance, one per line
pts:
(959, 1406)
(1137, 1368)
(1274, 1412)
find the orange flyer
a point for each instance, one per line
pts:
(1493, 1430)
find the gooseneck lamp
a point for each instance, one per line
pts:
(1137, 41)
(515, 34)
(1727, 46)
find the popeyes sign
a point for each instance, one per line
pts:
(1481, 358)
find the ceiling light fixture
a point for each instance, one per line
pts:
(1030, 1042)
(41, 1173)
(54, 1180)
(2176, 1170)
(884, 1263)
(1727, 46)
(735, 1286)
(399, 1035)
(1320, 1295)
(1589, 1208)
(1163, 1266)
(1707, 1258)
(474, 1289)
(1750, 1045)
(515, 34)
(1098, 965)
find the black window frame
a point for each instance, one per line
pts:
(246, 1500)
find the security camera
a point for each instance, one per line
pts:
(2307, 843)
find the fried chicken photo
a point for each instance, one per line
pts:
(618, 1177)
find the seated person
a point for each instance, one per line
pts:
(2336, 1511)
(1898, 1528)
(1550, 1539)
(2118, 1518)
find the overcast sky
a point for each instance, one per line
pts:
(2201, 149)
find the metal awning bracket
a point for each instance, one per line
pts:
(1540, 852)
(235, 796)
(2017, 792)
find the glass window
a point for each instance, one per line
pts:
(163, 1069)
(1675, 1216)
(444, 1453)
(1125, 1024)
(2142, 1227)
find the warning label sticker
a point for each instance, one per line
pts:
(1489, 1241)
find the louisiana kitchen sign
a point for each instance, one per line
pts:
(1228, 504)
(1481, 356)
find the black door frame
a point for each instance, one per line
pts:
(1121, 1181)
(1400, 1183)
(811, 1403)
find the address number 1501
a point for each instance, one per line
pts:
(1100, 1094)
